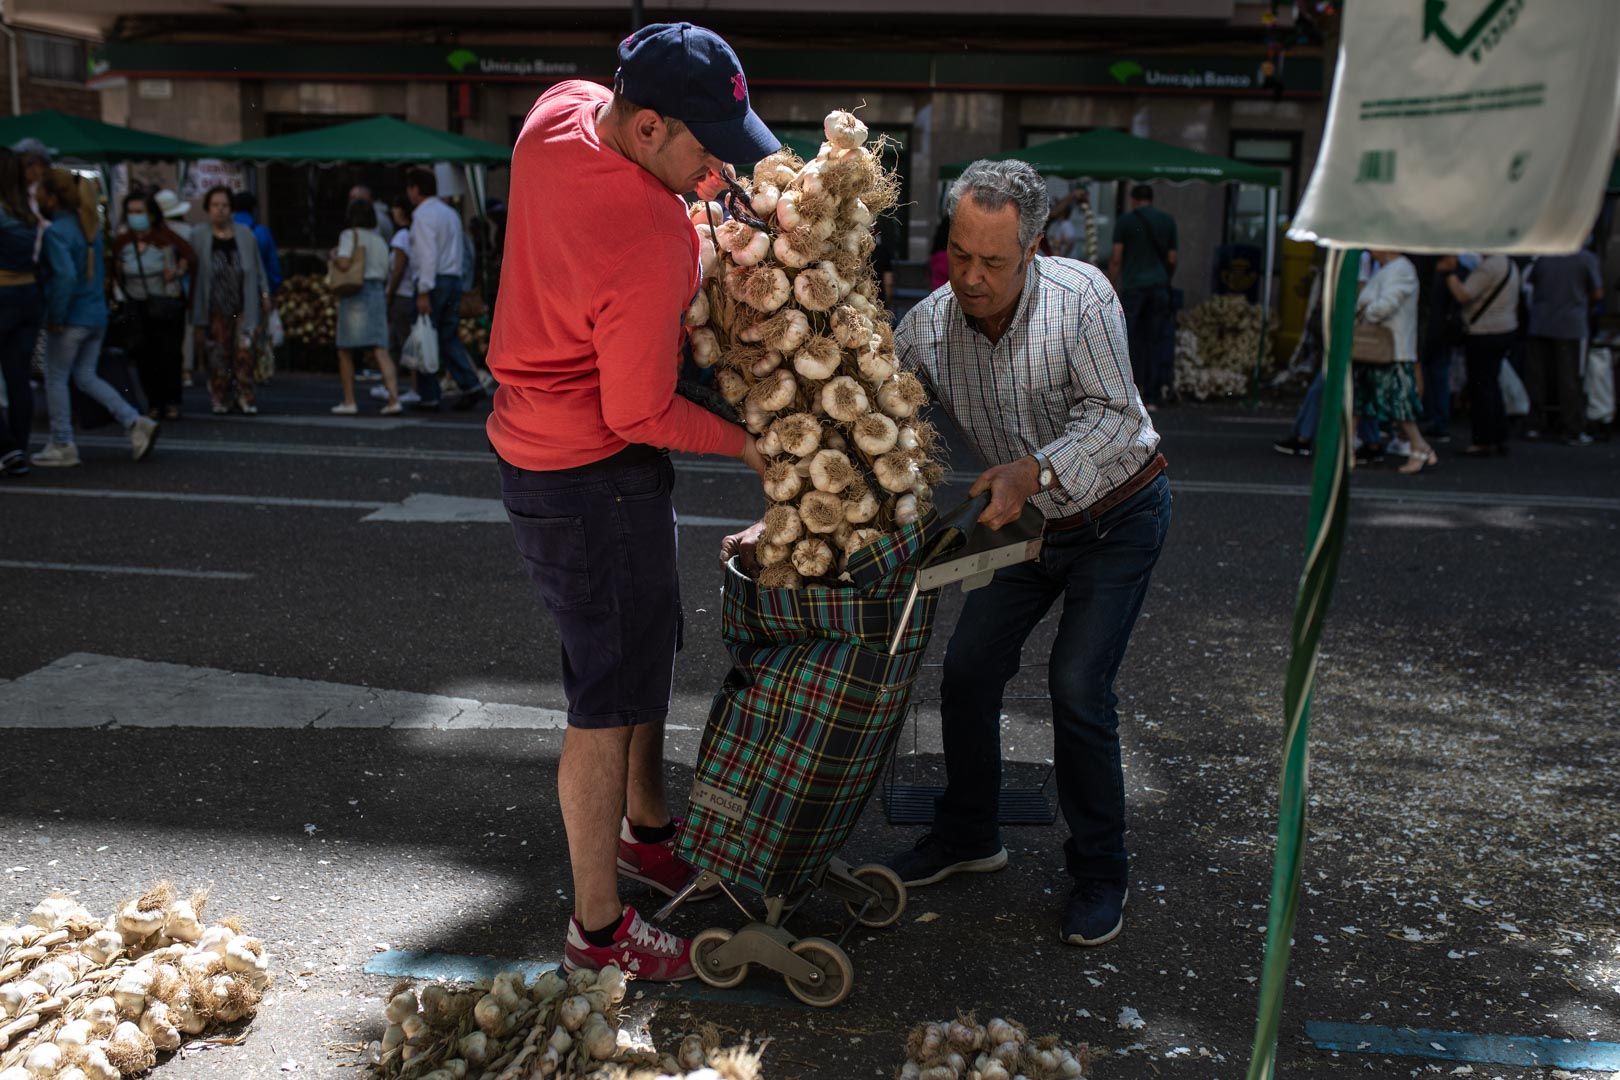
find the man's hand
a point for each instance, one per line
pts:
(1445, 264)
(713, 184)
(424, 304)
(742, 544)
(751, 456)
(1010, 486)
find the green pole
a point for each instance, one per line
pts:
(1330, 499)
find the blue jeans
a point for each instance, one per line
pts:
(1437, 389)
(1151, 327)
(446, 315)
(71, 356)
(1310, 415)
(20, 307)
(1101, 570)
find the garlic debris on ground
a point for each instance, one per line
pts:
(1000, 1050)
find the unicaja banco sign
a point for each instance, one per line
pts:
(467, 62)
(1479, 36)
(1131, 73)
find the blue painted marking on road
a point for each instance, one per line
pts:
(1462, 1046)
(769, 992)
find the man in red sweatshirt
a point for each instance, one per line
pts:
(601, 263)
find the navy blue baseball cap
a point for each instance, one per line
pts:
(691, 74)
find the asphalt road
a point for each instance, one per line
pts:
(1465, 835)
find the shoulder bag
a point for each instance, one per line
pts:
(350, 281)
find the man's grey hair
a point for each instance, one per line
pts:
(995, 184)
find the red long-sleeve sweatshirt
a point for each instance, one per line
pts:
(601, 264)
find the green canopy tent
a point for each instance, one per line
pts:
(381, 140)
(1115, 155)
(75, 138)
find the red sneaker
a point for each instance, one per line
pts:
(639, 948)
(655, 865)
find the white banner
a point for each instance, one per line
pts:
(1467, 125)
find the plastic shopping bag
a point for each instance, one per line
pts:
(1515, 398)
(277, 330)
(421, 352)
(1600, 385)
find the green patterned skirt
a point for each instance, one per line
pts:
(1387, 392)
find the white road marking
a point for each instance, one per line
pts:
(199, 497)
(86, 690)
(699, 466)
(144, 571)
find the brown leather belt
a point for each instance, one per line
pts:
(1144, 476)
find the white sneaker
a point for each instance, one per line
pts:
(343, 408)
(1398, 448)
(143, 435)
(56, 455)
(380, 392)
(406, 397)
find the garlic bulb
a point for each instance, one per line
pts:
(852, 329)
(896, 471)
(830, 470)
(400, 1006)
(856, 213)
(130, 991)
(844, 129)
(215, 939)
(764, 200)
(102, 1013)
(705, 347)
(708, 258)
(55, 912)
(799, 433)
(822, 512)
(690, 1057)
(812, 558)
(43, 1060)
(138, 924)
(902, 396)
(708, 214)
(779, 576)
(875, 364)
(561, 1041)
(775, 393)
(769, 554)
(859, 538)
(764, 288)
(474, 1048)
(782, 482)
(787, 211)
(96, 1066)
(818, 359)
(180, 922)
(788, 255)
(844, 399)
(782, 525)
(76, 1033)
(816, 289)
(488, 1015)
(130, 1050)
(859, 506)
(732, 386)
(697, 314)
(159, 1027)
(601, 1042)
(756, 251)
(246, 956)
(611, 979)
(875, 434)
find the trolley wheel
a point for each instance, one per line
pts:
(891, 896)
(703, 947)
(837, 973)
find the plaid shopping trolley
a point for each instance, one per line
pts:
(796, 742)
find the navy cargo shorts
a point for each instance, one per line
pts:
(599, 543)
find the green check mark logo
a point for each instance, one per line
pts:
(1125, 71)
(1434, 25)
(462, 59)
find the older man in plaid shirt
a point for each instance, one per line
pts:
(1029, 355)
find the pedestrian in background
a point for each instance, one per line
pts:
(76, 321)
(1141, 266)
(1563, 288)
(20, 307)
(1388, 393)
(1444, 334)
(1490, 303)
(362, 317)
(226, 302)
(150, 263)
(437, 239)
(384, 219)
(401, 288)
(244, 205)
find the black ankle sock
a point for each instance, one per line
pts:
(604, 937)
(653, 834)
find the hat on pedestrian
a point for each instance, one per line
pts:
(170, 205)
(691, 74)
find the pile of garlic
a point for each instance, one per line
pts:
(790, 315)
(999, 1050)
(557, 1027)
(89, 999)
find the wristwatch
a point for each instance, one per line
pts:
(1046, 476)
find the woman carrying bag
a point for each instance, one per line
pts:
(1385, 354)
(358, 269)
(149, 264)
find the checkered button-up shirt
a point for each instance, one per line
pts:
(1058, 382)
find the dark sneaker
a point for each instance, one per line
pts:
(14, 463)
(1372, 454)
(1292, 447)
(933, 860)
(1096, 913)
(639, 948)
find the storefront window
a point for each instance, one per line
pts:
(56, 58)
(1246, 203)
